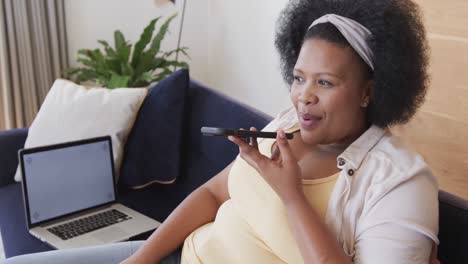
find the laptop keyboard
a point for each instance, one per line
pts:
(88, 224)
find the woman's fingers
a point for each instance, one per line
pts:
(283, 145)
(275, 155)
(249, 153)
(253, 140)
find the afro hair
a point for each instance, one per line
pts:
(398, 43)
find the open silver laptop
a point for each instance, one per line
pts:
(69, 195)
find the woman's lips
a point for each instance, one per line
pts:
(309, 121)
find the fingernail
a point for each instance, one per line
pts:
(281, 134)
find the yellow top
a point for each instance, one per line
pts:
(252, 226)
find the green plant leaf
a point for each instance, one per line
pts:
(126, 69)
(119, 40)
(161, 75)
(100, 64)
(89, 59)
(175, 63)
(145, 64)
(110, 52)
(156, 63)
(86, 75)
(103, 43)
(156, 43)
(144, 79)
(149, 64)
(144, 40)
(87, 62)
(118, 81)
(182, 50)
(69, 73)
(121, 47)
(71, 70)
(96, 55)
(119, 67)
(84, 53)
(97, 67)
(113, 64)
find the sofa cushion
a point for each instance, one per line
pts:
(73, 112)
(15, 235)
(205, 156)
(153, 148)
(10, 142)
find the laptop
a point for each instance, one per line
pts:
(69, 195)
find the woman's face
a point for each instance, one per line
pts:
(329, 92)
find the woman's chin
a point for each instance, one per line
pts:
(310, 138)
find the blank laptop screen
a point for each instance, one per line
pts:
(66, 180)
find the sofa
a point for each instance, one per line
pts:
(200, 159)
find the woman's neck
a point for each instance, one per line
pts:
(338, 147)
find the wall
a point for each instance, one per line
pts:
(440, 129)
(231, 42)
(242, 59)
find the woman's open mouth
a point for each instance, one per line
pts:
(309, 121)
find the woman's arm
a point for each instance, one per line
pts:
(402, 226)
(199, 208)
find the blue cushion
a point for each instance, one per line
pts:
(15, 234)
(10, 142)
(205, 156)
(152, 152)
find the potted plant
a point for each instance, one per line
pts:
(123, 67)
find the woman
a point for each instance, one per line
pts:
(343, 190)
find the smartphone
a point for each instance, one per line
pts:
(224, 132)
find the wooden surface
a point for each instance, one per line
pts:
(440, 129)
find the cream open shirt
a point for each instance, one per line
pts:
(384, 205)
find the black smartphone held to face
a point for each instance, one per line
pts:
(224, 132)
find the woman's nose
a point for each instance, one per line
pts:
(308, 95)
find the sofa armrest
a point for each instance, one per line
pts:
(10, 142)
(453, 228)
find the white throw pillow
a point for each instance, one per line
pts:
(73, 112)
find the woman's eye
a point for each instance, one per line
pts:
(325, 83)
(298, 79)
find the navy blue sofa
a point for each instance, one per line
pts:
(202, 158)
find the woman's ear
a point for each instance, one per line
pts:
(367, 93)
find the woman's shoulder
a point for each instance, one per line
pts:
(395, 164)
(393, 150)
(386, 160)
(378, 148)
